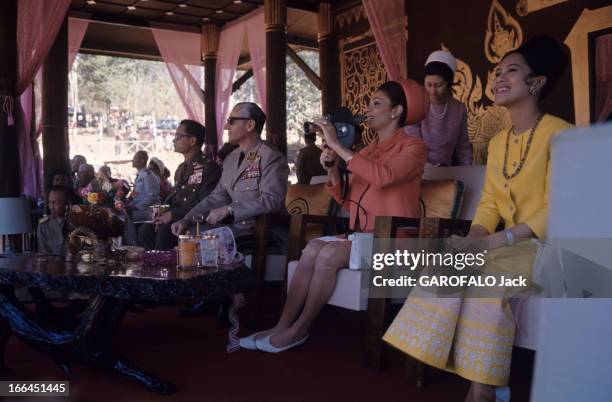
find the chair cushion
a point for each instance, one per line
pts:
(442, 198)
(308, 199)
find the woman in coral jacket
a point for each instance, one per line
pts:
(385, 180)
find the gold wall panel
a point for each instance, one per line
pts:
(484, 118)
(524, 7)
(362, 72)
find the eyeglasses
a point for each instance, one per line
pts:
(231, 120)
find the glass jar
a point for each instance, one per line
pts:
(209, 246)
(188, 251)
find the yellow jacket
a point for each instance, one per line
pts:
(524, 198)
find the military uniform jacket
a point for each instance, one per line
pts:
(257, 186)
(50, 235)
(194, 180)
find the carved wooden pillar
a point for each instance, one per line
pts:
(328, 59)
(210, 47)
(276, 76)
(9, 149)
(55, 106)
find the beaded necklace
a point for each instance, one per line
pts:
(524, 156)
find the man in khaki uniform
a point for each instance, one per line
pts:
(253, 182)
(53, 229)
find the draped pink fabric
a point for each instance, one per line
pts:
(38, 23)
(76, 31)
(387, 19)
(181, 53)
(230, 43)
(603, 77)
(256, 36)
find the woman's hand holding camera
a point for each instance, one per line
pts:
(329, 132)
(329, 159)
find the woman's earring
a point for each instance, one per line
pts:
(392, 116)
(534, 91)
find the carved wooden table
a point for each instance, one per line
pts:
(86, 338)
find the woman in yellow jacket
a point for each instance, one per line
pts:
(473, 336)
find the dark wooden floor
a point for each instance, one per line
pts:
(191, 353)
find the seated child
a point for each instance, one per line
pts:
(53, 229)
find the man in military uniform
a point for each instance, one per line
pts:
(53, 229)
(254, 179)
(194, 179)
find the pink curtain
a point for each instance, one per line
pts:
(38, 23)
(603, 77)
(256, 35)
(181, 53)
(387, 19)
(230, 43)
(76, 31)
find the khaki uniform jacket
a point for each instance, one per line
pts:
(194, 180)
(258, 186)
(50, 235)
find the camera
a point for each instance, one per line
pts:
(345, 124)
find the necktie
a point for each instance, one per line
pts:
(241, 158)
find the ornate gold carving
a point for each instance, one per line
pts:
(349, 17)
(524, 7)
(275, 15)
(210, 40)
(503, 33)
(362, 72)
(485, 120)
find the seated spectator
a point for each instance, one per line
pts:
(86, 176)
(62, 179)
(225, 150)
(385, 180)
(444, 129)
(146, 189)
(108, 183)
(75, 164)
(157, 166)
(194, 180)
(308, 162)
(472, 335)
(53, 228)
(254, 179)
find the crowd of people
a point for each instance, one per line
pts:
(251, 179)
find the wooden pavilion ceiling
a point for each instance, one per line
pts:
(181, 12)
(117, 25)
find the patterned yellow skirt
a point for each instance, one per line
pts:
(469, 336)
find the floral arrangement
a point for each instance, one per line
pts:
(101, 221)
(107, 194)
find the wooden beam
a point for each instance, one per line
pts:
(210, 47)
(328, 59)
(55, 106)
(240, 81)
(9, 149)
(275, 14)
(312, 76)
